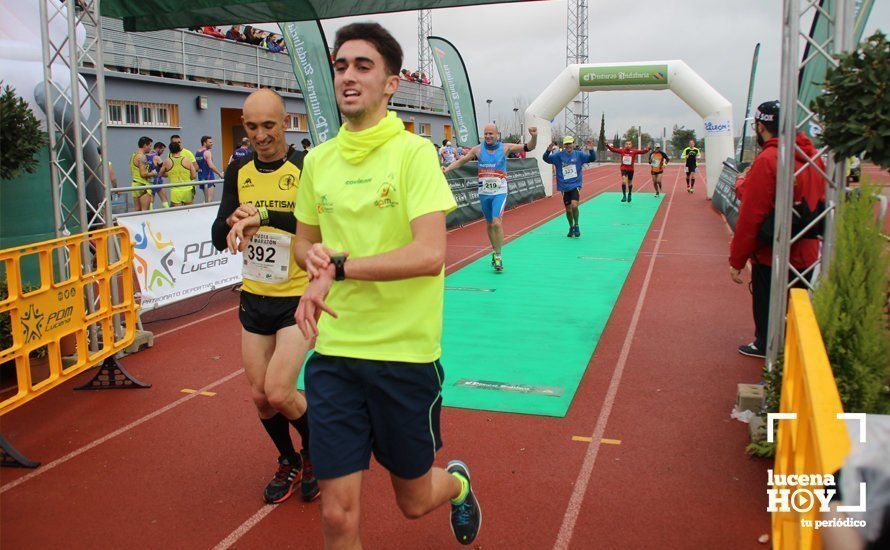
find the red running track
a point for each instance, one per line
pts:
(159, 468)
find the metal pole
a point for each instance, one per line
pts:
(256, 52)
(784, 182)
(50, 119)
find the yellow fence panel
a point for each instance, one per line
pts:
(816, 442)
(57, 311)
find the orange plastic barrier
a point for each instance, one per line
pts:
(58, 310)
(816, 442)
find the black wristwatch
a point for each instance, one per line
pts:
(339, 272)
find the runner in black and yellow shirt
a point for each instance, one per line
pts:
(256, 217)
(374, 383)
(691, 155)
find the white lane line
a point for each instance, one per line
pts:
(244, 527)
(73, 454)
(580, 486)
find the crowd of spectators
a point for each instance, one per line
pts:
(415, 76)
(247, 35)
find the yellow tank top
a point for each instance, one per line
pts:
(269, 265)
(178, 173)
(134, 171)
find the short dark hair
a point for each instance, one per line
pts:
(174, 136)
(383, 42)
(175, 147)
(204, 139)
(771, 127)
(144, 140)
(305, 142)
(160, 145)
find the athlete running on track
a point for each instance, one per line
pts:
(374, 382)
(492, 156)
(628, 156)
(658, 159)
(256, 217)
(691, 155)
(569, 163)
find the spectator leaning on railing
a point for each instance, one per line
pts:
(234, 33)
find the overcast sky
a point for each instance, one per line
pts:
(515, 50)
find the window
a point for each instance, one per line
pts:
(140, 113)
(425, 129)
(115, 114)
(297, 122)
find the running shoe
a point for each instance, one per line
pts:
(629, 197)
(624, 199)
(577, 231)
(282, 485)
(309, 486)
(497, 263)
(751, 350)
(571, 232)
(493, 256)
(466, 517)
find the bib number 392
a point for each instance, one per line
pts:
(267, 258)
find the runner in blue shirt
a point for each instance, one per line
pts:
(206, 168)
(569, 163)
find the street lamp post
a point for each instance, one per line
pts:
(489, 109)
(516, 120)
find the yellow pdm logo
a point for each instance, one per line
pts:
(386, 196)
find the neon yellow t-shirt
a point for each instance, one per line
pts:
(366, 208)
(189, 155)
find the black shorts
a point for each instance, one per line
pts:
(359, 406)
(629, 174)
(690, 169)
(569, 196)
(267, 315)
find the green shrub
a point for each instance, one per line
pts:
(20, 136)
(849, 305)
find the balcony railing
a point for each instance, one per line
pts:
(184, 55)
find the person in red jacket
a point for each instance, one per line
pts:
(753, 237)
(628, 155)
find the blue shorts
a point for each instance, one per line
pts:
(493, 206)
(204, 186)
(359, 406)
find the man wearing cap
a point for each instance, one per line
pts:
(754, 232)
(658, 159)
(569, 164)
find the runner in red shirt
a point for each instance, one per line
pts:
(627, 167)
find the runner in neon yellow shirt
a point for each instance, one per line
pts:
(374, 383)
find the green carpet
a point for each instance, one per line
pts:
(520, 341)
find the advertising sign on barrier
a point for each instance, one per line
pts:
(173, 255)
(724, 199)
(523, 181)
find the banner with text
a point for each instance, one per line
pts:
(309, 56)
(174, 258)
(458, 93)
(629, 75)
(523, 181)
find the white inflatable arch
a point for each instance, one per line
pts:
(674, 75)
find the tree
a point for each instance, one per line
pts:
(849, 305)
(601, 142)
(21, 137)
(680, 139)
(855, 108)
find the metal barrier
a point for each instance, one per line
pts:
(57, 312)
(816, 442)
